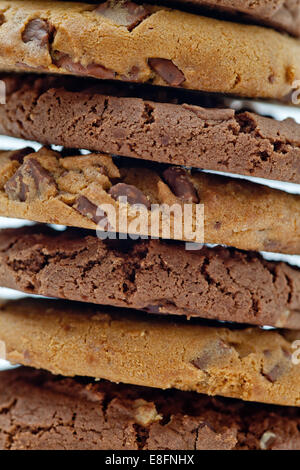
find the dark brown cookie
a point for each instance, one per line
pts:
(214, 139)
(152, 44)
(71, 414)
(158, 277)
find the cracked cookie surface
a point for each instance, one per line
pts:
(81, 414)
(147, 44)
(158, 277)
(85, 191)
(79, 114)
(79, 339)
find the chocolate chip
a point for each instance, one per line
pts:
(213, 353)
(15, 188)
(177, 179)
(2, 19)
(98, 71)
(275, 373)
(167, 70)
(133, 194)
(89, 210)
(272, 78)
(127, 14)
(39, 31)
(39, 174)
(94, 70)
(281, 367)
(30, 181)
(19, 155)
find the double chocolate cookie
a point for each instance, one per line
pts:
(156, 276)
(83, 114)
(78, 414)
(157, 45)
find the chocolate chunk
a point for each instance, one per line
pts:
(212, 354)
(19, 155)
(276, 372)
(272, 78)
(39, 174)
(98, 71)
(127, 14)
(177, 179)
(30, 181)
(93, 70)
(15, 188)
(133, 194)
(167, 70)
(2, 19)
(38, 30)
(90, 210)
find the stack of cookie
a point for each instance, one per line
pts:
(149, 326)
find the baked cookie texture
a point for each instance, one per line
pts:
(48, 187)
(148, 44)
(75, 339)
(281, 14)
(155, 276)
(81, 414)
(80, 114)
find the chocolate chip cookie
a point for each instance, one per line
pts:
(114, 195)
(123, 346)
(137, 43)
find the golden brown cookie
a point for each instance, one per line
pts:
(94, 190)
(147, 44)
(75, 339)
